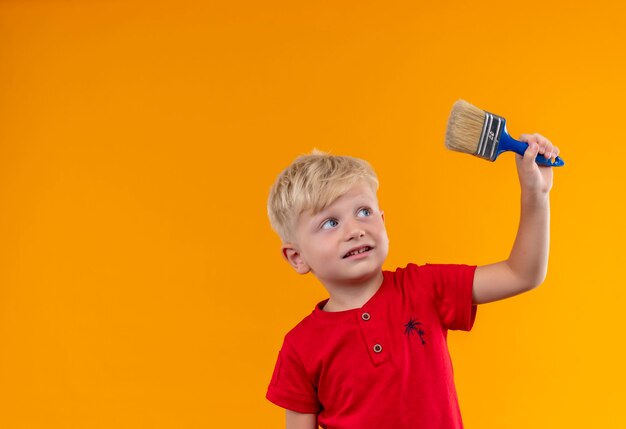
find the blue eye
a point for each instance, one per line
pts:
(330, 223)
(364, 212)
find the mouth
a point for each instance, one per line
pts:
(357, 251)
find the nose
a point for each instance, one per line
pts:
(353, 231)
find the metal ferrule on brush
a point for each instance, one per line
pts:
(490, 136)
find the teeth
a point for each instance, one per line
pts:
(361, 250)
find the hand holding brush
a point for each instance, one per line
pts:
(533, 179)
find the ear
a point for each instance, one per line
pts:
(292, 255)
(382, 215)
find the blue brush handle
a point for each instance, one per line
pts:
(508, 143)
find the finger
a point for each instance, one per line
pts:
(531, 140)
(555, 153)
(531, 153)
(541, 141)
(548, 150)
(528, 138)
(544, 144)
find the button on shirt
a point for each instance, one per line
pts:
(385, 365)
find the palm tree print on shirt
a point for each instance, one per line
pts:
(412, 327)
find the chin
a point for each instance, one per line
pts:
(365, 275)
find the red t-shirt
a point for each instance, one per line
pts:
(386, 364)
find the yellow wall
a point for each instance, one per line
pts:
(140, 283)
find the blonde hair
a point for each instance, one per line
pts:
(312, 182)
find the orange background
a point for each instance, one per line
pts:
(140, 283)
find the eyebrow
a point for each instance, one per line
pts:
(318, 217)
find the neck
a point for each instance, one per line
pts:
(354, 295)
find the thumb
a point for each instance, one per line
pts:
(531, 153)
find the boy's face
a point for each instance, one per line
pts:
(346, 243)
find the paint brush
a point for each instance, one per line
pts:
(483, 134)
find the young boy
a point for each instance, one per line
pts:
(374, 355)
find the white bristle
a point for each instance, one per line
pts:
(465, 126)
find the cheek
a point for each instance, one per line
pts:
(380, 226)
(385, 240)
(383, 237)
(317, 247)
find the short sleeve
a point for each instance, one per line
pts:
(290, 387)
(452, 284)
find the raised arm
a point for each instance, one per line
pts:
(300, 421)
(527, 264)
